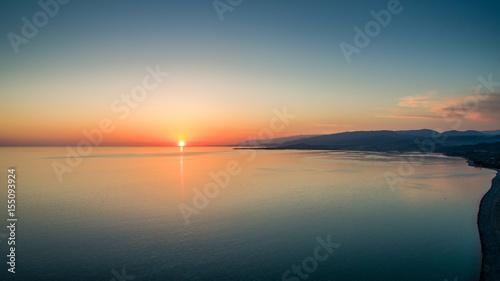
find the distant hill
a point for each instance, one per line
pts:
(481, 148)
(483, 155)
(425, 133)
(455, 133)
(388, 140)
(273, 142)
(363, 140)
(455, 138)
(497, 132)
(383, 140)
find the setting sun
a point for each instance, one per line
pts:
(181, 143)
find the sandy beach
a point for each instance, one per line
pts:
(489, 231)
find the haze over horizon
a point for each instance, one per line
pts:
(227, 78)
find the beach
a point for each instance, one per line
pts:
(489, 232)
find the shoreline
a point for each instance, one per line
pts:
(488, 222)
(488, 217)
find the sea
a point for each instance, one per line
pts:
(220, 213)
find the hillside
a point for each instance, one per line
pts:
(389, 140)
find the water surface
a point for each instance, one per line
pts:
(118, 209)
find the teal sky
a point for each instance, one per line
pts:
(264, 54)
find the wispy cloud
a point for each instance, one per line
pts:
(487, 110)
(431, 106)
(429, 100)
(414, 116)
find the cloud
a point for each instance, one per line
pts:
(428, 100)
(484, 108)
(481, 107)
(414, 116)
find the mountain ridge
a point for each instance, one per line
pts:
(379, 139)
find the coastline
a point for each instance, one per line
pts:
(488, 217)
(488, 222)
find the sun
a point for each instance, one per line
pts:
(181, 143)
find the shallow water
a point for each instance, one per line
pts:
(117, 215)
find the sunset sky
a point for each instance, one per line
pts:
(226, 77)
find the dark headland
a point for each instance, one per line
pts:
(480, 149)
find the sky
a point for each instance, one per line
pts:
(217, 72)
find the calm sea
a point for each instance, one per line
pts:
(223, 214)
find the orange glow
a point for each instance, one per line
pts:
(181, 143)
